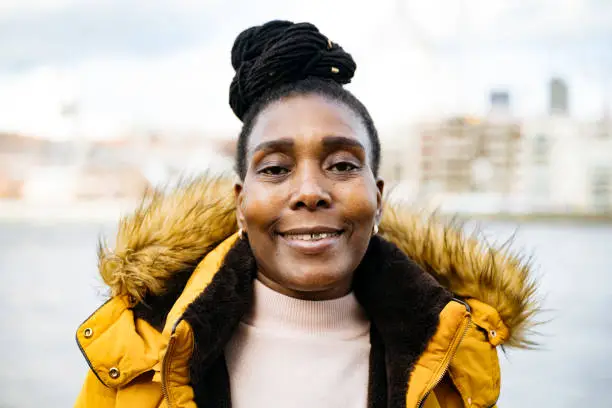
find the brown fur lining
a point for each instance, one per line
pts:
(402, 301)
(213, 317)
(154, 309)
(377, 382)
(404, 304)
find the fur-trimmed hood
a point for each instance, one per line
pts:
(170, 233)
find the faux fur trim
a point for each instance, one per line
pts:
(469, 267)
(402, 301)
(170, 232)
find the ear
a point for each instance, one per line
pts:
(239, 197)
(380, 185)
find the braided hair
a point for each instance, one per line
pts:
(282, 59)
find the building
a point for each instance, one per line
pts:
(117, 183)
(469, 156)
(567, 165)
(500, 102)
(558, 103)
(10, 186)
(400, 161)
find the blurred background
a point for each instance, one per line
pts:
(496, 110)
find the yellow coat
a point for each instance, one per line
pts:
(134, 364)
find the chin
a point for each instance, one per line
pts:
(314, 279)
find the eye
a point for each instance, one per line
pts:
(274, 171)
(343, 167)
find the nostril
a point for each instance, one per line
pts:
(322, 203)
(310, 200)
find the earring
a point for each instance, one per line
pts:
(375, 230)
(241, 233)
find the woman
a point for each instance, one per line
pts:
(301, 287)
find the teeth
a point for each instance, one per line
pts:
(312, 237)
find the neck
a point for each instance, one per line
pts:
(338, 290)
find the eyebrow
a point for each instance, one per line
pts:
(328, 142)
(341, 141)
(280, 144)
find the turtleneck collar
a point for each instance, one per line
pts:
(342, 317)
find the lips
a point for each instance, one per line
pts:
(312, 240)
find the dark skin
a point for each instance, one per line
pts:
(309, 201)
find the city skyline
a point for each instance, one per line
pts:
(166, 65)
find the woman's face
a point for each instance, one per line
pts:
(309, 200)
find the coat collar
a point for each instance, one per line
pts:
(404, 304)
(173, 229)
(402, 301)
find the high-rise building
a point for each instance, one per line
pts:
(500, 101)
(559, 98)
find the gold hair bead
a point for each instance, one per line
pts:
(334, 70)
(329, 44)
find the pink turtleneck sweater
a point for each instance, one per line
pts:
(296, 353)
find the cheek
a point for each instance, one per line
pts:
(261, 206)
(360, 201)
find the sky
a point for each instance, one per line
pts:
(137, 65)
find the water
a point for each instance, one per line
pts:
(50, 285)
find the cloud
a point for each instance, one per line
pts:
(184, 90)
(16, 6)
(37, 33)
(154, 64)
(542, 24)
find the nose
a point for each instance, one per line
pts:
(310, 190)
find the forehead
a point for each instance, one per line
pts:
(307, 119)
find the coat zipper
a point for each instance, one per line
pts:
(446, 364)
(166, 370)
(166, 364)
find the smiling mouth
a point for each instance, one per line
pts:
(312, 240)
(313, 236)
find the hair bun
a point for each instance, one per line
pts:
(279, 53)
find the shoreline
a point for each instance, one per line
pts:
(113, 210)
(534, 218)
(98, 211)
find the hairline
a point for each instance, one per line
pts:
(329, 98)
